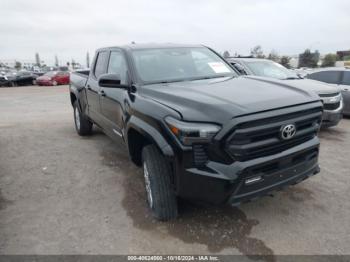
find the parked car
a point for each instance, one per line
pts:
(13, 77)
(198, 130)
(339, 77)
(53, 78)
(330, 95)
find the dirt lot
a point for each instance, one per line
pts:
(63, 194)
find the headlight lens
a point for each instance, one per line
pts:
(189, 133)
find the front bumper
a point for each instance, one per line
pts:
(218, 183)
(44, 83)
(332, 117)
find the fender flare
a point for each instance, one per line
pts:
(151, 133)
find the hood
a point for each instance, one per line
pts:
(313, 85)
(219, 100)
(44, 78)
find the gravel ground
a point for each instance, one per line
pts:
(63, 194)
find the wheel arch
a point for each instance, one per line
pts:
(138, 134)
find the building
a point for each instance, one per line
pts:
(26, 63)
(343, 55)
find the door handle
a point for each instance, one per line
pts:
(102, 93)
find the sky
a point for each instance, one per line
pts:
(71, 28)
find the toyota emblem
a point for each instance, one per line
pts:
(288, 131)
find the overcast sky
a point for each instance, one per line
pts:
(70, 28)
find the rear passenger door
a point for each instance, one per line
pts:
(92, 87)
(112, 100)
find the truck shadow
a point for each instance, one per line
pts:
(3, 201)
(215, 227)
(332, 134)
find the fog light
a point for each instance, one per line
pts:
(253, 180)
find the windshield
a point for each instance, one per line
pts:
(179, 64)
(51, 73)
(270, 69)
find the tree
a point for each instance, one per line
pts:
(285, 61)
(257, 52)
(274, 56)
(329, 60)
(87, 60)
(73, 63)
(226, 54)
(37, 59)
(18, 65)
(56, 61)
(309, 59)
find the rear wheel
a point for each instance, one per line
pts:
(160, 192)
(82, 124)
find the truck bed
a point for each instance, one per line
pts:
(79, 78)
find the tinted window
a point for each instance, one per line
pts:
(117, 65)
(101, 64)
(331, 77)
(346, 78)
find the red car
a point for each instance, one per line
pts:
(53, 78)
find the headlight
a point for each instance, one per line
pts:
(189, 133)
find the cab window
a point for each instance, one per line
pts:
(117, 65)
(101, 64)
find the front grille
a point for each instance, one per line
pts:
(262, 137)
(329, 95)
(332, 106)
(200, 156)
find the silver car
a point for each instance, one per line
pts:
(339, 77)
(330, 95)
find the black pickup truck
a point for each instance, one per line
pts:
(198, 130)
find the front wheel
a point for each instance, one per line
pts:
(159, 188)
(82, 124)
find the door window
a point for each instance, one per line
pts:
(331, 77)
(346, 78)
(117, 65)
(100, 67)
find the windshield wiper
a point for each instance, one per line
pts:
(291, 78)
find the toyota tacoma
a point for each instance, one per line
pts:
(198, 129)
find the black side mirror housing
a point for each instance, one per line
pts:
(110, 81)
(240, 69)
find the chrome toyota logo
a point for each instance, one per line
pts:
(288, 131)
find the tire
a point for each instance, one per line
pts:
(83, 125)
(160, 193)
(54, 83)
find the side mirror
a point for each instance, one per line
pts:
(110, 81)
(239, 68)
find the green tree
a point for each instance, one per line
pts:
(285, 61)
(309, 59)
(329, 60)
(56, 61)
(226, 54)
(257, 52)
(18, 65)
(37, 59)
(273, 56)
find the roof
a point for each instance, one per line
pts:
(151, 46)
